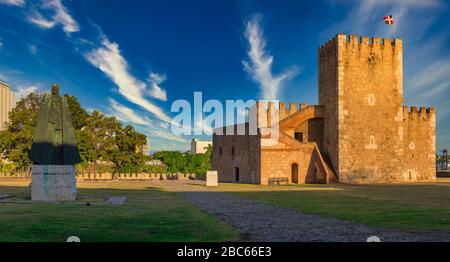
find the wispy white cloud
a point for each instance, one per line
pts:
(154, 130)
(10, 75)
(430, 86)
(13, 2)
(155, 80)
(259, 62)
(433, 79)
(110, 61)
(60, 16)
(166, 135)
(127, 115)
(164, 125)
(36, 18)
(367, 16)
(23, 91)
(20, 86)
(438, 89)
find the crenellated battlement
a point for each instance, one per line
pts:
(415, 112)
(328, 43)
(353, 39)
(269, 112)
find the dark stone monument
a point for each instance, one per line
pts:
(54, 151)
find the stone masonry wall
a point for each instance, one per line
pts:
(370, 110)
(312, 130)
(277, 163)
(328, 97)
(419, 144)
(246, 157)
(269, 113)
(361, 86)
(369, 100)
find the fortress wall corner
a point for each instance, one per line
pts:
(419, 144)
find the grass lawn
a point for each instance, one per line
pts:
(410, 207)
(149, 215)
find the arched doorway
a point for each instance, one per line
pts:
(294, 173)
(236, 174)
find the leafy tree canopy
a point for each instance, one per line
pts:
(99, 137)
(185, 162)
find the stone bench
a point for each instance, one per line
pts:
(278, 181)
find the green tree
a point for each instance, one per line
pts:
(16, 140)
(125, 156)
(78, 114)
(186, 163)
(174, 160)
(99, 137)
(102, 130)
(86, 146)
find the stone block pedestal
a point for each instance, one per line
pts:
(211, 178)
(53, 183)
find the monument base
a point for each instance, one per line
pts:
(211, 178)
(53, 183)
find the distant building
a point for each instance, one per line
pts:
(155, 162)
(199, 147)
(143, 149)
(6, 103)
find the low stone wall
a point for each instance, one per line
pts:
(13, 175)
(117, 176)
(443, 173)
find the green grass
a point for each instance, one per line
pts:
(412, 207)
(149, 215)
(153, 214)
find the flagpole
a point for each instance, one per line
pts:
(394, 29)
(389, 19)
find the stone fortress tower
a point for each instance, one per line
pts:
(369, 135)
(359, 132)
(6, 103)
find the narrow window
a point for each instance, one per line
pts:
(232, 150)
(299, 136)
(220, 150)
(371, 100)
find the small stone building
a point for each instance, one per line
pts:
(360, 132)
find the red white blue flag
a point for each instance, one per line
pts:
(389, 20)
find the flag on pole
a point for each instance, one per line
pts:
(389, 20)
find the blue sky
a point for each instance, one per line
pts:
(133, 58)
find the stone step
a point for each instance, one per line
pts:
(117, 200)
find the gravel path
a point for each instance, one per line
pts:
(259, 221)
